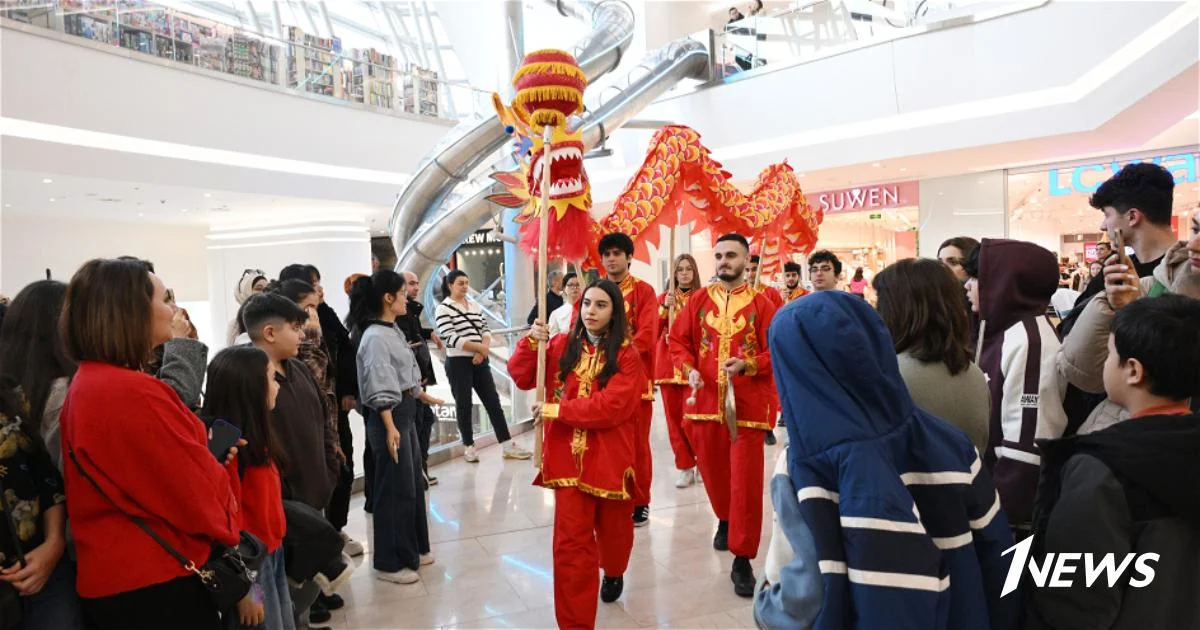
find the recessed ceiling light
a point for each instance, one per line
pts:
(8, 205)
(52, 200)
(876, 164)
(47, 181)
(800, 175)
(140, 215)
(903, 169)
(183, 210)
(206, 195)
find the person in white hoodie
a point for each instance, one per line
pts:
(252, 282)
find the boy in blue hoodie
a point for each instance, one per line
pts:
(888, 518)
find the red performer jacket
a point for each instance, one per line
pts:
(718, 324)
(641, 311)
(666, 371)
(795, 294)
(588, 430)
(772, 294)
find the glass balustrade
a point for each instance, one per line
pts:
(302, 63)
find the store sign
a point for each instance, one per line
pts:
(1086, 179)
(901, 195)
(481, 237)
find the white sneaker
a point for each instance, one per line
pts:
(685, 477)
(403, 576)
(471, 456)
(698, 479)
(513, 451)
(427, 559)
(352, 547)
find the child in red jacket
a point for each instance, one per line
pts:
(594, 382)
(241, 391)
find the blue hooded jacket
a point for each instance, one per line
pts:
(906, 526)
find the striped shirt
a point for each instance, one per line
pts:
(457, 325)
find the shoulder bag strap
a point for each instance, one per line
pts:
(463, 316)
(187, 564)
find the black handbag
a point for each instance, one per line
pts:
(229, 572)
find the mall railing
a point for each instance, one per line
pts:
(807, 29)
(303, 64)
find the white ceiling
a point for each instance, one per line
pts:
(57, 195)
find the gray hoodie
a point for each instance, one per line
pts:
(387, 368)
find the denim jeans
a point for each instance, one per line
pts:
(401, 528)
(56, 606)
(277, 600)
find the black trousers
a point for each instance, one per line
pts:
(425, 421)
(401, 532)
(180, 604)
(338, 511)
(464, 377)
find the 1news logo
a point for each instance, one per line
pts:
(1057, 568)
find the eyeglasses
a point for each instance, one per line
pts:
(821, 269)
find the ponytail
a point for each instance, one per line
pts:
(366, 296)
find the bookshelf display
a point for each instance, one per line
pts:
(303, 62)
(421, 92)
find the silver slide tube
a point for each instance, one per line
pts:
(465, 147)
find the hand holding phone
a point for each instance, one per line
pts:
(1121, 282)
(222, 436)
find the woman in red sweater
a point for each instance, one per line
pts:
(147, 452)
(242, 391)
(594, 382)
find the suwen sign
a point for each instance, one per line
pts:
(877, 197)
(1086, 179)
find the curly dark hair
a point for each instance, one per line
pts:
(1148, 187)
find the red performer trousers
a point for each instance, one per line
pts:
(733, 478)
(673, 397)
(590, 533)
(643, 466)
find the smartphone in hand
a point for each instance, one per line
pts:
(222, 436)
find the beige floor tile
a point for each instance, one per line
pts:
(491, 533)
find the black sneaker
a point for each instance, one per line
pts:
(721, 540)
(641, 515)
(331, 602)
(742, 576)
(770, 439)
(610, 589)
(319, 613)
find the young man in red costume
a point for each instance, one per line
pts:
(641, 311)
(672, 383)
(719, 338)
(791, 276)
(594, 381)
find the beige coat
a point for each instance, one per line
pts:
(1081, 359)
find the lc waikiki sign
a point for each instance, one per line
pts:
(1086, 179)
(876, 197)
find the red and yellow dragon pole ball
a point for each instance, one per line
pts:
(550, 86)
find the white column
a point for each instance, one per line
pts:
(338, 248)
(974, 205)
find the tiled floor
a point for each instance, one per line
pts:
(491, 533)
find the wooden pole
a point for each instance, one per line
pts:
(673, 287)
(543, 244)
(762, 250)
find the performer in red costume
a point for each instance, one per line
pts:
(719, 338)
(672, 383)
(641, 311)
(753, 278)
(791, 276)
(594, 382)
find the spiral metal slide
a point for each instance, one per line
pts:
(428, 224)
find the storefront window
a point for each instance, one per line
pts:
(869, 226)
(1049, 206)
